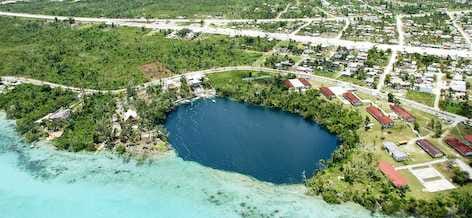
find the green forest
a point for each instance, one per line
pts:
(97, 56)
(152, 8)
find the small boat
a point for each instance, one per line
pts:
(213, 100)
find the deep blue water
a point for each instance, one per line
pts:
(266, 144)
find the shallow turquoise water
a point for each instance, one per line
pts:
(43, 183)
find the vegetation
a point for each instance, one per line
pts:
(376, 57)
(90, 125)
(100, 57)
(28, 103)
(421, 97)
(153, 9)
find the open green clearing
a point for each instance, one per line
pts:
(96, 56)
(421, 97)
(152, 8)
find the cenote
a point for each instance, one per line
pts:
(269, 145)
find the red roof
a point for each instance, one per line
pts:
(305, 82)
(379, 116)
(468, 138)
(460, 147)
(392, 174)
(354, 100)
(326, 92)
(288, 84)
(401, 112)
(429, 148)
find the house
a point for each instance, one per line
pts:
(468, 139)
(402, 113)
(327, 92)
(460, 147)
(299, 84)
(384, 120)
(195, 79)
(387, 169)
(354, 100)
(429, 148)
(393, 150)
(130, 114)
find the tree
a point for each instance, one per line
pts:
(438, 129)
(460, 177)
(416, 126)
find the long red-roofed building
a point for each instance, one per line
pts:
(354, 100)
(427, 146)
(300, 84)
(327, 92)
(460, 147)
(402, 113)
(394, 177)
(384, 120)
(468, 139)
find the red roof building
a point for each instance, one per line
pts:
(402, 113)
(297, 84)
(460, 147)
(354, 100)
(468, 139)
(384, 120)
(429, 148)
(327, 92)
(394, 177)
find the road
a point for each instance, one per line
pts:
(365, 90)
(459, 28)
(393, 56)
(169, 25)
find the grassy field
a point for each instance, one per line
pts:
(95, 56)
(421, 97)
(152, 8)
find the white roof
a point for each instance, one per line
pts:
(296, 83)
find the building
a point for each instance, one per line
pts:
(354, 100)
(468, 139)
(299, 84)
(429, 148)
(392, 175)
(327, 92)
(460, 147)
(384, 120)
(393, 150)
(402, 113)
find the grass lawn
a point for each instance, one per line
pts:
(421, 97)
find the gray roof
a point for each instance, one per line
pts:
(396, 153)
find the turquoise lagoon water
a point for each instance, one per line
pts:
(43, 183)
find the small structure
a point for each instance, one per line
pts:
(460, 147)
(393, 150)
(354, 100)
(61, 114)
(394, 177)
(384, 120)
(195, 79)
(429, 148)
(130, 114)
(327, 92)
(402, 113)
(299, 84)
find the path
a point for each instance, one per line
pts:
(393, 57)
(460, 29)
(368, 91)
(425, 164)
(284, 11)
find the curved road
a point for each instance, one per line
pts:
(368, 91)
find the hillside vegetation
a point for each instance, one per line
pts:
(97, 56)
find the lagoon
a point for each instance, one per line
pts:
(269, 145)
(41, 182)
